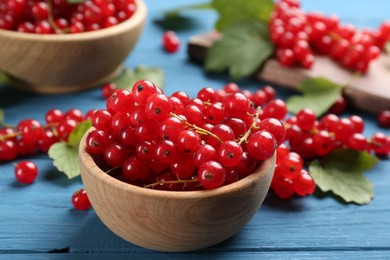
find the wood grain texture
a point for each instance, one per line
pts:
(38, 219)
(369, 92)
(68, 62)
(174, 221)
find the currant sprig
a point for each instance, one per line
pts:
(298, 35)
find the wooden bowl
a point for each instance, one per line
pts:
(63, 63)
(173, 221)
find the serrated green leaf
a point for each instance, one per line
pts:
(232, 11)
(318, 94)
(244, 46)
(128, 77)
(65, 154)
(65, 159)
(78, 133)
(341, 173)
(3, 78)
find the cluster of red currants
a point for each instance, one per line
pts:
(62, 16)
(312, 138)
(31, 137)
(290, 177)
(297, 35)
(175, 142)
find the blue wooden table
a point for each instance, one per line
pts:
(38, 220)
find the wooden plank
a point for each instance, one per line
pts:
(370, 92)
(304, 255)
(40, 218)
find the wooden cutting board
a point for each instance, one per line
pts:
(370, 92)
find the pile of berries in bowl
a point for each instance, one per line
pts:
(174, 173)
(59, 46)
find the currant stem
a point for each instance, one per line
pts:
(50, 18)
(152, 185)
(197, 129)
(253, 126)
(113, 169)
(8, 136)
(16, 134)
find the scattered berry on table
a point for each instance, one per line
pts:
(171, 42)
(80, 200)
(26, 172)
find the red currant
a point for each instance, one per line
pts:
(80, 200)
(26, 172)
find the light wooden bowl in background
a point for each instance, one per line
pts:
(173, 221)
(63, 63)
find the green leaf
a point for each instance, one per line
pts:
(3, 78)
(128, 77)
(175, 20)
(231, 11)
(78, 133)
(319, 94)
(341, 173)
(65, 159)
(65, 154)
(244, 46)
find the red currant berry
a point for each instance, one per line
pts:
(80, 200)
(188, 141)
(97, 142)
(8, 150)
(236, 105)
(157, 107)
(261, 145)
(230, 154)
(108, 89)
(53, 116)
(134, 168)
(284, 188)
(383, 118)
(304, 184)
(291, 166)
(358, 142)
(204, 154)
(275, 127)
(115, 154)
(120, 101)
(306, 119)
(142, 90)
(211, 175)
(171, 42)
(182, 167)
(26, 172)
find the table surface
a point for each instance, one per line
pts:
(38, 219)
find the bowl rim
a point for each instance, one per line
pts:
(92, 169)
(136, 19)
